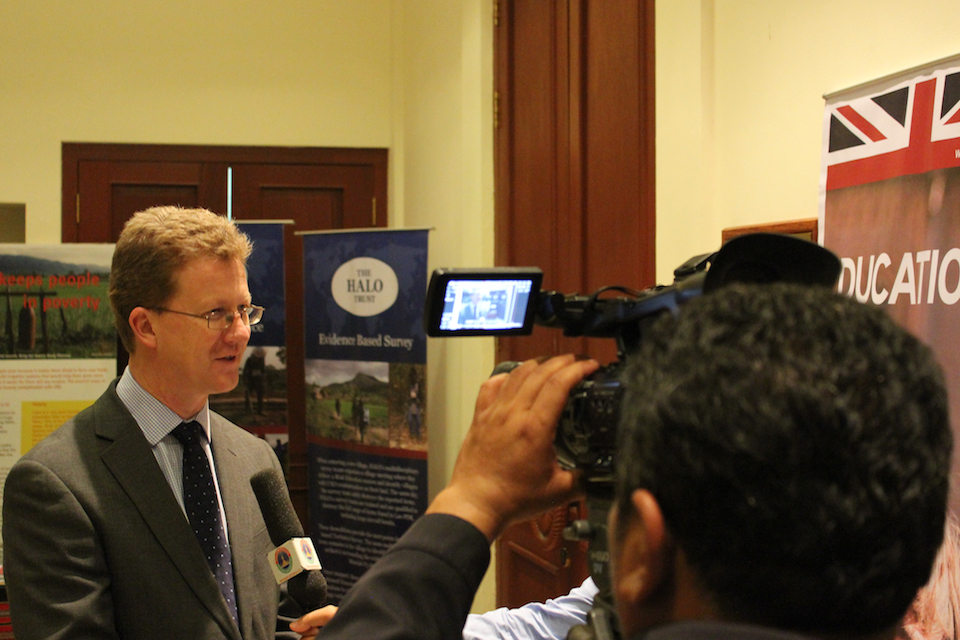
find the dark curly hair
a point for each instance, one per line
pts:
(798, 443)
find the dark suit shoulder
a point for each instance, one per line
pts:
(78, 436)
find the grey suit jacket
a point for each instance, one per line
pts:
(96, 545)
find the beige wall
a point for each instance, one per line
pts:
(740, 87)
(739, 84)
(445, 142)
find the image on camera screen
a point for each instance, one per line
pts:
(485, 305)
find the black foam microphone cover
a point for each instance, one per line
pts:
(278, 513)
(308, 588)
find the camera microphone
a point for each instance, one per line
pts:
(294, 560)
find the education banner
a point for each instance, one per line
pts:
(259, 402)
(58, 345)
(890, 203)
(365, 386)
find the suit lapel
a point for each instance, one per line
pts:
(243, 512)
(130, 459)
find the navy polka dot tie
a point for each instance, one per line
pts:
(203, 510)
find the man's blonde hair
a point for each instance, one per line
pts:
(154, 245)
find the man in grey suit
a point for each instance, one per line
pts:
(97, 543)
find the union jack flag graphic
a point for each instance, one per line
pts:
(908, 129)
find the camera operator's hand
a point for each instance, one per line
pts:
(507, 469)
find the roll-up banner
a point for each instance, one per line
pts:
(890, 204)
(259, 402)
(365, 359)
(58, 345)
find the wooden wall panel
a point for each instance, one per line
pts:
(574, 154)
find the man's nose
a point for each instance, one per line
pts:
(238, 329)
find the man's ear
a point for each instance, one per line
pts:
(646, 553)
(142, 325)
(660, 549)
(644, 583)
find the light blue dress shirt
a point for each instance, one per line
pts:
(550, 620)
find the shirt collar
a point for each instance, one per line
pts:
(155, 419)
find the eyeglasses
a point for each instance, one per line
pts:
(220, 319)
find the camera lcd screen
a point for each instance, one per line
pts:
(482, 301)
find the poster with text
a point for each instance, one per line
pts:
(366, 394)
(890, 204)
(58, 345)
(259, 402)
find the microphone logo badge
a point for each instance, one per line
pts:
(283, 560)
(306, 548)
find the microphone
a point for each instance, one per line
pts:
(294, 559)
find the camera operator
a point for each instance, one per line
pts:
(782, 472)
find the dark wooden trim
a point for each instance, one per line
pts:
(222, 153)
(805, 228)
(648, 133)
(502, 141)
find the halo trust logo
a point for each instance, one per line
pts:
(365, 286)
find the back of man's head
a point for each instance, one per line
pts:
(798, 444)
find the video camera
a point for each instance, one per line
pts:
(508, 301)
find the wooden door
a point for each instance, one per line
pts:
(103, 185)
(574, 154)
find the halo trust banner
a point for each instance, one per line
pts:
(890, 203)
(365, 360)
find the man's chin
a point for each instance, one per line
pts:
(228, 383)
